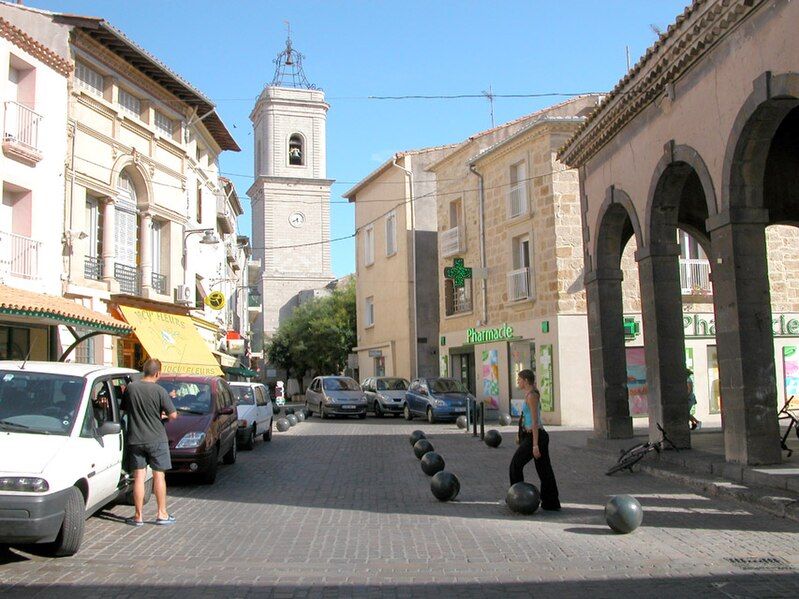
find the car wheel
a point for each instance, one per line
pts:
(362, 416)
(308, 409)
(378, 409)
(268, 433)
(430, 418)
(71, 533)
(407, 413)
(322, 413)
(230, 456)
(249, 443)
(209, 476)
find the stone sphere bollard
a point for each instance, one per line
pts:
(283, 425)
(292, 419)
(505, 419)
(432, 463)
(421, 447)
(300, 415)
(493, 438)
(523, 498)
(416, 436)
(623, 513)
(288, 410)
(445, 486)
(461, 422)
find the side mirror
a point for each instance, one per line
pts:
(227, 410)
(423, 391)
(109, 428)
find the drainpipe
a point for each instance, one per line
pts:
(481, 220)
(415, 343)
(69, 227)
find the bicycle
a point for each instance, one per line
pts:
(630, 457)
(785, 414)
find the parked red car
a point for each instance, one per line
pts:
(205, 429)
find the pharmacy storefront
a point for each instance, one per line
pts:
(487, 360)
(701, 358)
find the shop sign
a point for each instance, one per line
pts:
(235, 347)
(458, 272)
(475, 336)
(375, 353)
(215, 300)
(703, 326)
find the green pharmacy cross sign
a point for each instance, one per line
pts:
(458, 272)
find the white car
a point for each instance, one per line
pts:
(61, 450)
(255, 413)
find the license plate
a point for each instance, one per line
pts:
(458, 410)
(349, 407)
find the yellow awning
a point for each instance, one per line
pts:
(173, 339)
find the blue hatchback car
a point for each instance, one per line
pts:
(436, 399)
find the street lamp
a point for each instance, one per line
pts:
(209, 238)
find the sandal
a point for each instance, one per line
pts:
(170, 519)
(133, 522)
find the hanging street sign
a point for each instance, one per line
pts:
(215, 299)
(458, 272)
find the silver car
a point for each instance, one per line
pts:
(385, 394)
(335, 396)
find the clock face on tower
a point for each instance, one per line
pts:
(297, 219)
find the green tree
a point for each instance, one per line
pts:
(317, 337)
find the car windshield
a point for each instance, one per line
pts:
(244, 395)
(446, 386)
(188, 396)
(38, 403)
(392, 385)
(341, 384)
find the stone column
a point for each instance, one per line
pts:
(146, 243)
(744, 336)
(661, 306)
(607, 353)
(109, 241)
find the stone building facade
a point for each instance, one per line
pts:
(698, 136)
(524, 306)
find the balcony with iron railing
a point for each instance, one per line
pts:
(518, 201)
(19, 256)
(451, 242)
(21, 133)
(695, 277)
(128, 277)
(93, 268)
(224, 214)
(519, 285)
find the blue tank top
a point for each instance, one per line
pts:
(527, 415)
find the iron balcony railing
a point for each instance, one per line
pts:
(128, 278)
(93, 268)
(695, 277)
(451, 242)
(519, 284)
(21, 125)
(158, 283)
(19, 256)
(518, 203)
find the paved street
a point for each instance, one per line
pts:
(341, 508)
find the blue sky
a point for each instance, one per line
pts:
(356, 49)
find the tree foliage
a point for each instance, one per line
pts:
(317, 337)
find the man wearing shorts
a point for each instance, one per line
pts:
(146, 404)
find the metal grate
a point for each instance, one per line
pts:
(128, 278)
(760, 563)
(93, 268)
(158, 282)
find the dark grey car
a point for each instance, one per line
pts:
(385, 394)
(335, 396)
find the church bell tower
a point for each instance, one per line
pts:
(291, 194)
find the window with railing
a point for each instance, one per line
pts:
(158, 283)
(694, 266)
(21, 125)
(129, 104)
(128, 278)
(93, 268)
(163, 124)
(521, 284)
(457, 300)
(518, 203)
(19, 256)
(86, 78)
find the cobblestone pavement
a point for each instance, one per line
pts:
(341, 508)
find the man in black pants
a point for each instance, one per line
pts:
(146, 404)
(534, 444)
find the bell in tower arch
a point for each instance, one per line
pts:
(296, 150)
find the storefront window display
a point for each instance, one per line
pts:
(522, 356)
(636, 381)
(790, 363)
(491, 377)
(546, 379)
